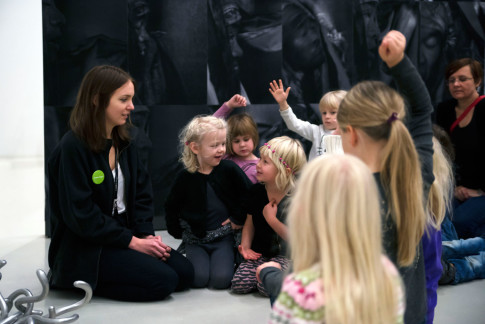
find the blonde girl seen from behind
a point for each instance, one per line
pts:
(340, 274)
(372, 129)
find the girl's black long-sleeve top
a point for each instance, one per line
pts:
(188, 197)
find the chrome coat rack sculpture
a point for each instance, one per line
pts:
(23, 300)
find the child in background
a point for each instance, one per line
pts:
(242, 136)
(438, 200)
(462, 260)
(205, 202)
(328, 106)
(340, 274)
(264, 233)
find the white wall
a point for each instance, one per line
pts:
(21, 79)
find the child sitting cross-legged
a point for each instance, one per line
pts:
(264, 233)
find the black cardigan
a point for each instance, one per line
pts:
(188, 198)
(80, 209)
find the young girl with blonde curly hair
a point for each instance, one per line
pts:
(264, 233)
(340, 274)
(205, 202)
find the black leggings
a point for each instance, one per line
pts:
(213, 263)
(129, 275)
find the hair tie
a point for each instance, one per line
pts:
(392, 118)
(187, 143)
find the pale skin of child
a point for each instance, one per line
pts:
(117, 112)
(242, 145)
(209, 152)
(266, 172)
(280, 95)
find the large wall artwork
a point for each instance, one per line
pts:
(189, 56)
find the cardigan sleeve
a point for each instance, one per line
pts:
(173, 208)
(143, 209)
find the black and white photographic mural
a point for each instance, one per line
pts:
(190, 56)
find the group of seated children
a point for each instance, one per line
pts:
(345, 238)
(344, 269)
(363, 247)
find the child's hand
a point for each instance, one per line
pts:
(236, 101)
(279, 94)
(234, 226)
(392, 48)
(269, 211)
(248, 254)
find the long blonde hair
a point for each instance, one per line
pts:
(193, 132)
(378, 111)
(441, 191)
(334, 222)
(288, 156)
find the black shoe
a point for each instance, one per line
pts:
(448, 274)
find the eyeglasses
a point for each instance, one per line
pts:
(461, 79)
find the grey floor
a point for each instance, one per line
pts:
(24, 247)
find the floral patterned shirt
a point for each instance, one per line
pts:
(302, 299)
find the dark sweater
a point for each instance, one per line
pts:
(188, 197)
(469, 143)
(80, 209)
(265, 240)
(419, 124)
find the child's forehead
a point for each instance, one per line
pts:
(328, 108)
(214, 134)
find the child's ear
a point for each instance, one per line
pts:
(194, 147)
(354, 138)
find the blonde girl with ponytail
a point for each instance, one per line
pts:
(398, 150)
(340, 274)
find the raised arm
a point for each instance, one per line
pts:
(301, 127)
(413, 89)
(236, 101)
(279, 94)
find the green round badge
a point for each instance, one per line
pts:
(98, 176)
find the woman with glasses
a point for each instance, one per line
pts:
(463, 117)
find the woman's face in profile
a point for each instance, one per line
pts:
(120, 105)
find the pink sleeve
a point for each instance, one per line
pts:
(223, 111)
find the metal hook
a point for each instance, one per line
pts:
(10, 299)
(33, 299)
(87, 298)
